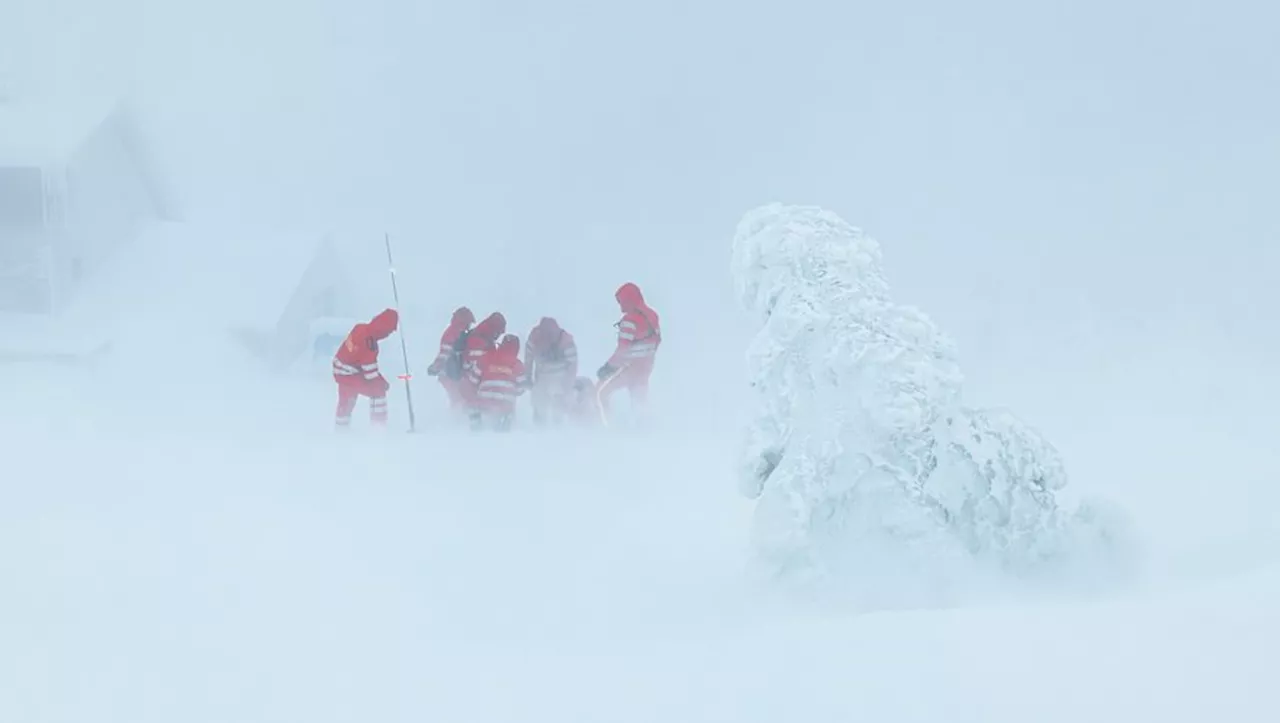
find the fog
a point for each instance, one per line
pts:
(1080, 193)
(1076, 169)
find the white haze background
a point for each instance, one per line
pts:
(1080, 193)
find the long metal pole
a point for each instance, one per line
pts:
(404, 349)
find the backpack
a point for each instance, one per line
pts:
(454, 363)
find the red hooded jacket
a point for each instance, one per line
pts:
(551, 352)
(500, 377)
(357, 357)
(482, 339)
(639, 331)
(462, 320)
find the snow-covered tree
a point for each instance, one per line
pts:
(861, 454)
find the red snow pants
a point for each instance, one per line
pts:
(350, 389)
(634, 377)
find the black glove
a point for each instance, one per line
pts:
(433, 371)
(605, 372)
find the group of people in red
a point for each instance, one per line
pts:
(482, 373)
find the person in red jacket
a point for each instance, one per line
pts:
(639, 336)
(355, 369)
(482, 339)
(499, 379)
(551, 359)
(448, 363)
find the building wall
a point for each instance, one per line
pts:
(106, 201)
(323, 291)
(24, 252)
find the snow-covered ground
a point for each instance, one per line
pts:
(184, 540)
(205, 549)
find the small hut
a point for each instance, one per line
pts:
(74, 187)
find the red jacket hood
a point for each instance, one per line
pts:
(462, 317)
(492, 327)
(629, 297)
(384, 324)
(546, 331)
(510, 347)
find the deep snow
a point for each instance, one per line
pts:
(205, 549)
(232, 576)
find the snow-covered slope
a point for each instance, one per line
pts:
(254, 574)
(191, 542)
(198, 546)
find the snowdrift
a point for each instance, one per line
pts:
(867, 466)
(260, 576)
(32, 339)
